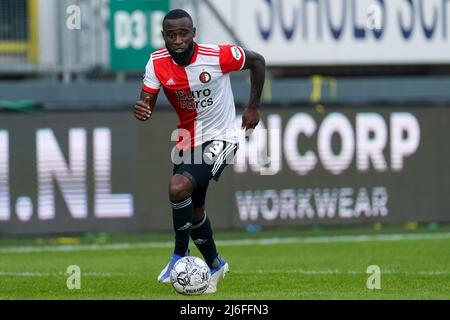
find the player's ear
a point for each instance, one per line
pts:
(194, 30)
(162, 33)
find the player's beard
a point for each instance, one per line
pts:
(183, 58)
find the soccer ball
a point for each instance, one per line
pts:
(190, 276)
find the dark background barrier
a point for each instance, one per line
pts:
(108, 172)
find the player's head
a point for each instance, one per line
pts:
(178, 32)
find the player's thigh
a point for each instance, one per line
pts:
(223, 158)
(215, 156)
(198, 174)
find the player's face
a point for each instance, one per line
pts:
(178, 35)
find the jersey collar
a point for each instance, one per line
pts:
(194, 56)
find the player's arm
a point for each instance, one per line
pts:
(143, 108)
(257, 66)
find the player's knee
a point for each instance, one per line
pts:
(180, 188)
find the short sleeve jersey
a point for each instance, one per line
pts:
(200, 93)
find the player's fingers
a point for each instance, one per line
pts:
(142, 115)
(142, 104)
(142, 110)
(138, 114)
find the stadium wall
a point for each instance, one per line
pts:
(63, 172)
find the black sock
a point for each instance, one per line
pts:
(202, 235)
(182, 213)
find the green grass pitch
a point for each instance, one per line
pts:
(274, 264)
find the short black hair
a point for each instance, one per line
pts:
(177, 14)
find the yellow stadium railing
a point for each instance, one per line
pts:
(30, 46)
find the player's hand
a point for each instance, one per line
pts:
(250, 119)
(142, 109)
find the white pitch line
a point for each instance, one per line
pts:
(255, 271)
(337, 271)
(225, 243)
(57, 274)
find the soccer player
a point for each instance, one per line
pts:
(195, 80)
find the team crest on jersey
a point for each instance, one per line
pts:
(204, 77)
(236, 53)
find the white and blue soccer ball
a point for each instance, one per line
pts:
(190, 276)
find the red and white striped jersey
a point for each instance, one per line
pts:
(200, 93)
